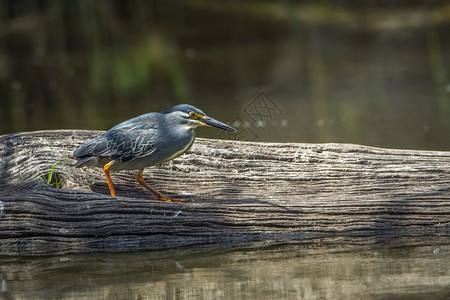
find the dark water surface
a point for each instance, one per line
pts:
(282, 71)
(311, 270)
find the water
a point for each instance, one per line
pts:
(314, 269)
(328, 71)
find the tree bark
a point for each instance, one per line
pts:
(240, 192)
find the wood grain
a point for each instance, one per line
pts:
(240, 192)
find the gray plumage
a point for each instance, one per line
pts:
(147, 140)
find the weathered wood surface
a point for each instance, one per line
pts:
(240, 192)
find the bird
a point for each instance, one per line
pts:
(147, 140)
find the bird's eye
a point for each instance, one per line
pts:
(194, 115)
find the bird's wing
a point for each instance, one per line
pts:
(130, 143)
(127, 141)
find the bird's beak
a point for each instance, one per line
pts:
(207, 121)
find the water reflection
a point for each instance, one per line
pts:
(311, 270)
(340, 71)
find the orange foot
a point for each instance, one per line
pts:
(168, 199)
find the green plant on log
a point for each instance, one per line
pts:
(53, 178)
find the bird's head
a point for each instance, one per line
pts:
(194, 117)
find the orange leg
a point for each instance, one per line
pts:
(161, 197)
(108, 178)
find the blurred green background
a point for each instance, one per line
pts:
(366, 72)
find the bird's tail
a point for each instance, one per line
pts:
(84, 154)
(81, 161)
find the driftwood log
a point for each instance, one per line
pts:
(240, 192)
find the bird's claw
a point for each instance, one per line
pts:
(168, 199)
